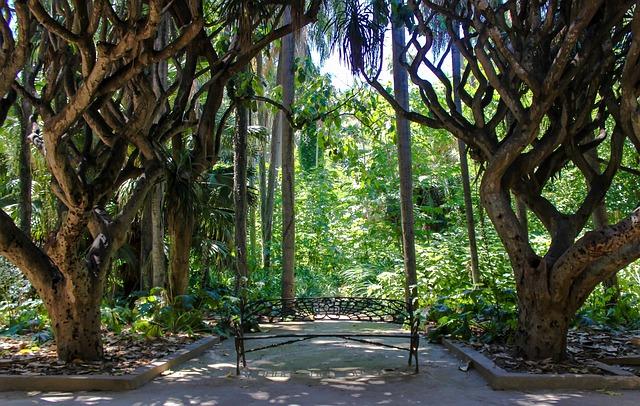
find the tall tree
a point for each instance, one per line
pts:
(240, 192)
(152, 258)
(27, 128)
(275, 158)
(560, 70)
(403, 135)
(288, 166)
(86, 132)
(456, 67)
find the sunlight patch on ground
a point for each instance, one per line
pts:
(65, 398)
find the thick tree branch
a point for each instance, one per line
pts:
(18, 248)
(593, 246)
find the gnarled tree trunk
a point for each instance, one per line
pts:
(542, 328)
(75, 316)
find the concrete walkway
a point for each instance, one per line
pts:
(322, 372)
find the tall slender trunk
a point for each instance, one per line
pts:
(456, 66)
(275, 159)
(252, 231)
(262, 175)
(240, 197)
(155, 199)
(146, 245)
(158, 259)
(272, 183)
(403, 131)
(27, 127)
(25, 205)
(288, 179)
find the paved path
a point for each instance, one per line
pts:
(322, 372)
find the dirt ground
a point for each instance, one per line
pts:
(323, 372)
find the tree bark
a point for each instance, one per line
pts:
(75, 320)
(403, 135)
(600, 221)
(240, 197)
(180, 229)
(288, 178)
(272, 183)
(26, 128)
(542, 329)
(252, 231)
(146, 243)
(464, 171)
(158, 260)
(521, 212)
(275, 159)
(160, 84)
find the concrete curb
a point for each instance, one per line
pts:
(139, 377)
(500, 379)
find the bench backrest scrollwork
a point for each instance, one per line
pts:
(327, 308)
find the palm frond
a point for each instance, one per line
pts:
(360, 32)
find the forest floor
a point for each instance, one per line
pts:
(323, 372)
(124, 353)
(584, 346)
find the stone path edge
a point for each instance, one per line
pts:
(139, 377)
(499, 379)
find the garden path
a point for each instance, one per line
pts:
(322, 372)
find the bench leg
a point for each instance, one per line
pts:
(413, 351)
(240, 354)
(244, 358)
(237, 357)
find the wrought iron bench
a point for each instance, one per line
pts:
(326, 308)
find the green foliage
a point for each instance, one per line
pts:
(23, 317)
(600, 310)
(479, 314)
(14, 287)
(153, 315)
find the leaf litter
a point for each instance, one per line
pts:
(584, 348)
(123, 354)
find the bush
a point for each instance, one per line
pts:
(14, 287)
(27, 317)
(485, 315)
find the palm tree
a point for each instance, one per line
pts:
(403, 131)
(275, 158)
(288, 179)
(240, 195)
